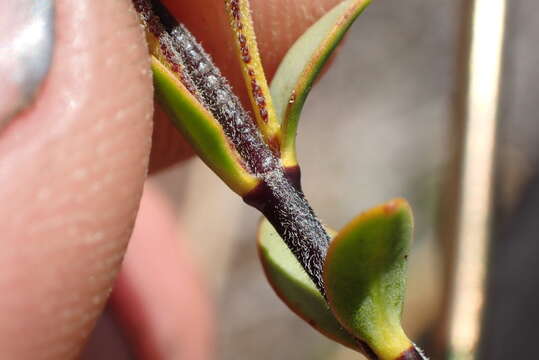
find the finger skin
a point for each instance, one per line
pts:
(278, 24)
(159, 297)
(71, 174)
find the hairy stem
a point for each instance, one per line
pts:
(278, 195)
(285, 206)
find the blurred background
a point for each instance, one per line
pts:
(380, 124)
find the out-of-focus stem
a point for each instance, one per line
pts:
(467, 223)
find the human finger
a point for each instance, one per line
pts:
(72, 167)
(159, 297)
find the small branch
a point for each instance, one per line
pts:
(278, 196)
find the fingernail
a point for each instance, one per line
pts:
(26, 46)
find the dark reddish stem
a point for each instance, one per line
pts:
(278, 195)
(285, 206)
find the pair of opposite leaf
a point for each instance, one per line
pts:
(348, 285)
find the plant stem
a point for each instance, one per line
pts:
(285, 206)
(278, 195)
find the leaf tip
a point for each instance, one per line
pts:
(393, 206)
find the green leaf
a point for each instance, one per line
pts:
(365, 273)
(201, 129)
(295, 288)
(302, 64)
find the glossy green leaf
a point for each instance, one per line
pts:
(365, 273)
(201, 129)
(295, 288)
(302, 64)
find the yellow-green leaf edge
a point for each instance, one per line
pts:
(201, 129)
(302, 64)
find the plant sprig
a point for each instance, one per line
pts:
(349, 288)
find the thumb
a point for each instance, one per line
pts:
(71, 173)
